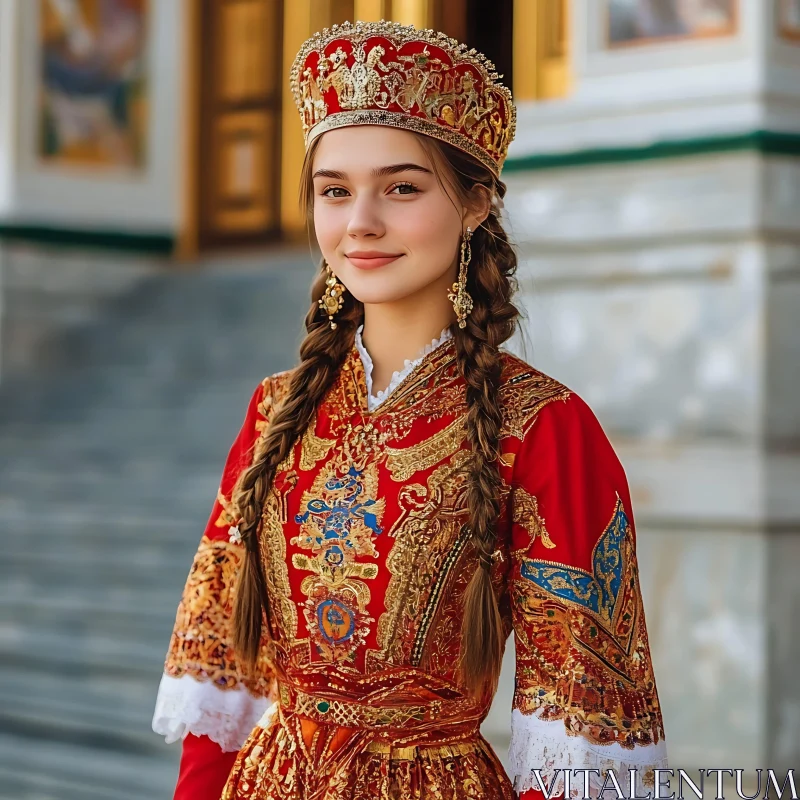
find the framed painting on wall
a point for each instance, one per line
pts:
(633, 22)
(789, 19)
(93, 109)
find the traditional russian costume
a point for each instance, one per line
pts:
(367, 556)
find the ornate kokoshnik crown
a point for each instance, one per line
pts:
(385, 73)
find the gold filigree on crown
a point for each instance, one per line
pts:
(385, 73)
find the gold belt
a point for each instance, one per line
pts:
(350, 714)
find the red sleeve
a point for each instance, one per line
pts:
(205, 698)
(204, 769)
(585, 694)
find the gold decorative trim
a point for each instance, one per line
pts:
(526, 514)
(354, 714)
(415, 751)
(403, 462)
(202, 639)
(484, 127)
(432, 605)
(396, 119)
(313, 448)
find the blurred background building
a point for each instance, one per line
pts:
(154, 266)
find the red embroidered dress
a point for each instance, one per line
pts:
(366, 559)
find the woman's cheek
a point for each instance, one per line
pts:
(329, 233)
(426, 226)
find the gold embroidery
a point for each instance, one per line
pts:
(276, 570)
(229, 514)
(450, 94)
(313, 448)
(354, 714)
(201, 643)
(526, 514)
(524, 392)
(590, 626)
(403, 462)
(338, 518)
(275, 763)
(425, 533)
(431, 607)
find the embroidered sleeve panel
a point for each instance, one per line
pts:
(523, 393)
(204, 690)
(585, 692)
(201, 643)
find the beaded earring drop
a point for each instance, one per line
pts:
(332, 300)
(460, 297)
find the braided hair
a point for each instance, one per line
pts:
(491, 282)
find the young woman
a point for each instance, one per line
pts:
(410, 494)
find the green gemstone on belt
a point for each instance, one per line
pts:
(323, 706)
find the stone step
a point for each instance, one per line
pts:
(89, 707)
(142, 616)
(108, 495)
(147, 568)
(41, 769)
(85, 602)
(110, 458)
(29, 647)
(54, 525)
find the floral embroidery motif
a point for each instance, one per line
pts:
(404, 462)
(314, 448)
(590, 625)
(201, 643)
(526, 513)
(596, 591)
(338, 519)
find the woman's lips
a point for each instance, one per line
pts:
(372, 262)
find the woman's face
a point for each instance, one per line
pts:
(384, 224)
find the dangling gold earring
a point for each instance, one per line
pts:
(460, 297)
(332, 300)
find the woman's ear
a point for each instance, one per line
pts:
(480, 207)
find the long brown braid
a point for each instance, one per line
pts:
(321, 354)
(492, 321)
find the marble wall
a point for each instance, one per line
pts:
(666, 294)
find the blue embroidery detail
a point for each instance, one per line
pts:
(337, 516)
(596, 591)
(336, 620)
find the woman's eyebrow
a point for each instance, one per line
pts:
(378, 172)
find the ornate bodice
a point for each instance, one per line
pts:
(364, 544)
(367, 558)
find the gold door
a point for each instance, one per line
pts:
(239, 107)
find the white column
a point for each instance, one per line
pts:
(8, 101)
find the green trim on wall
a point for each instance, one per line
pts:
(155, 243)
(766, 142)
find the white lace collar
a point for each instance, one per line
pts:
(373, 401)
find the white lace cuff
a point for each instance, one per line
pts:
(185, 706)
(547, 746)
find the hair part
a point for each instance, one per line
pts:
(491, 282)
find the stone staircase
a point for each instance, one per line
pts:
(111, 446)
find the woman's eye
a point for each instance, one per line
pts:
(334, 189)
(410, 186)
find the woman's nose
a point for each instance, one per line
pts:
(365, 218)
